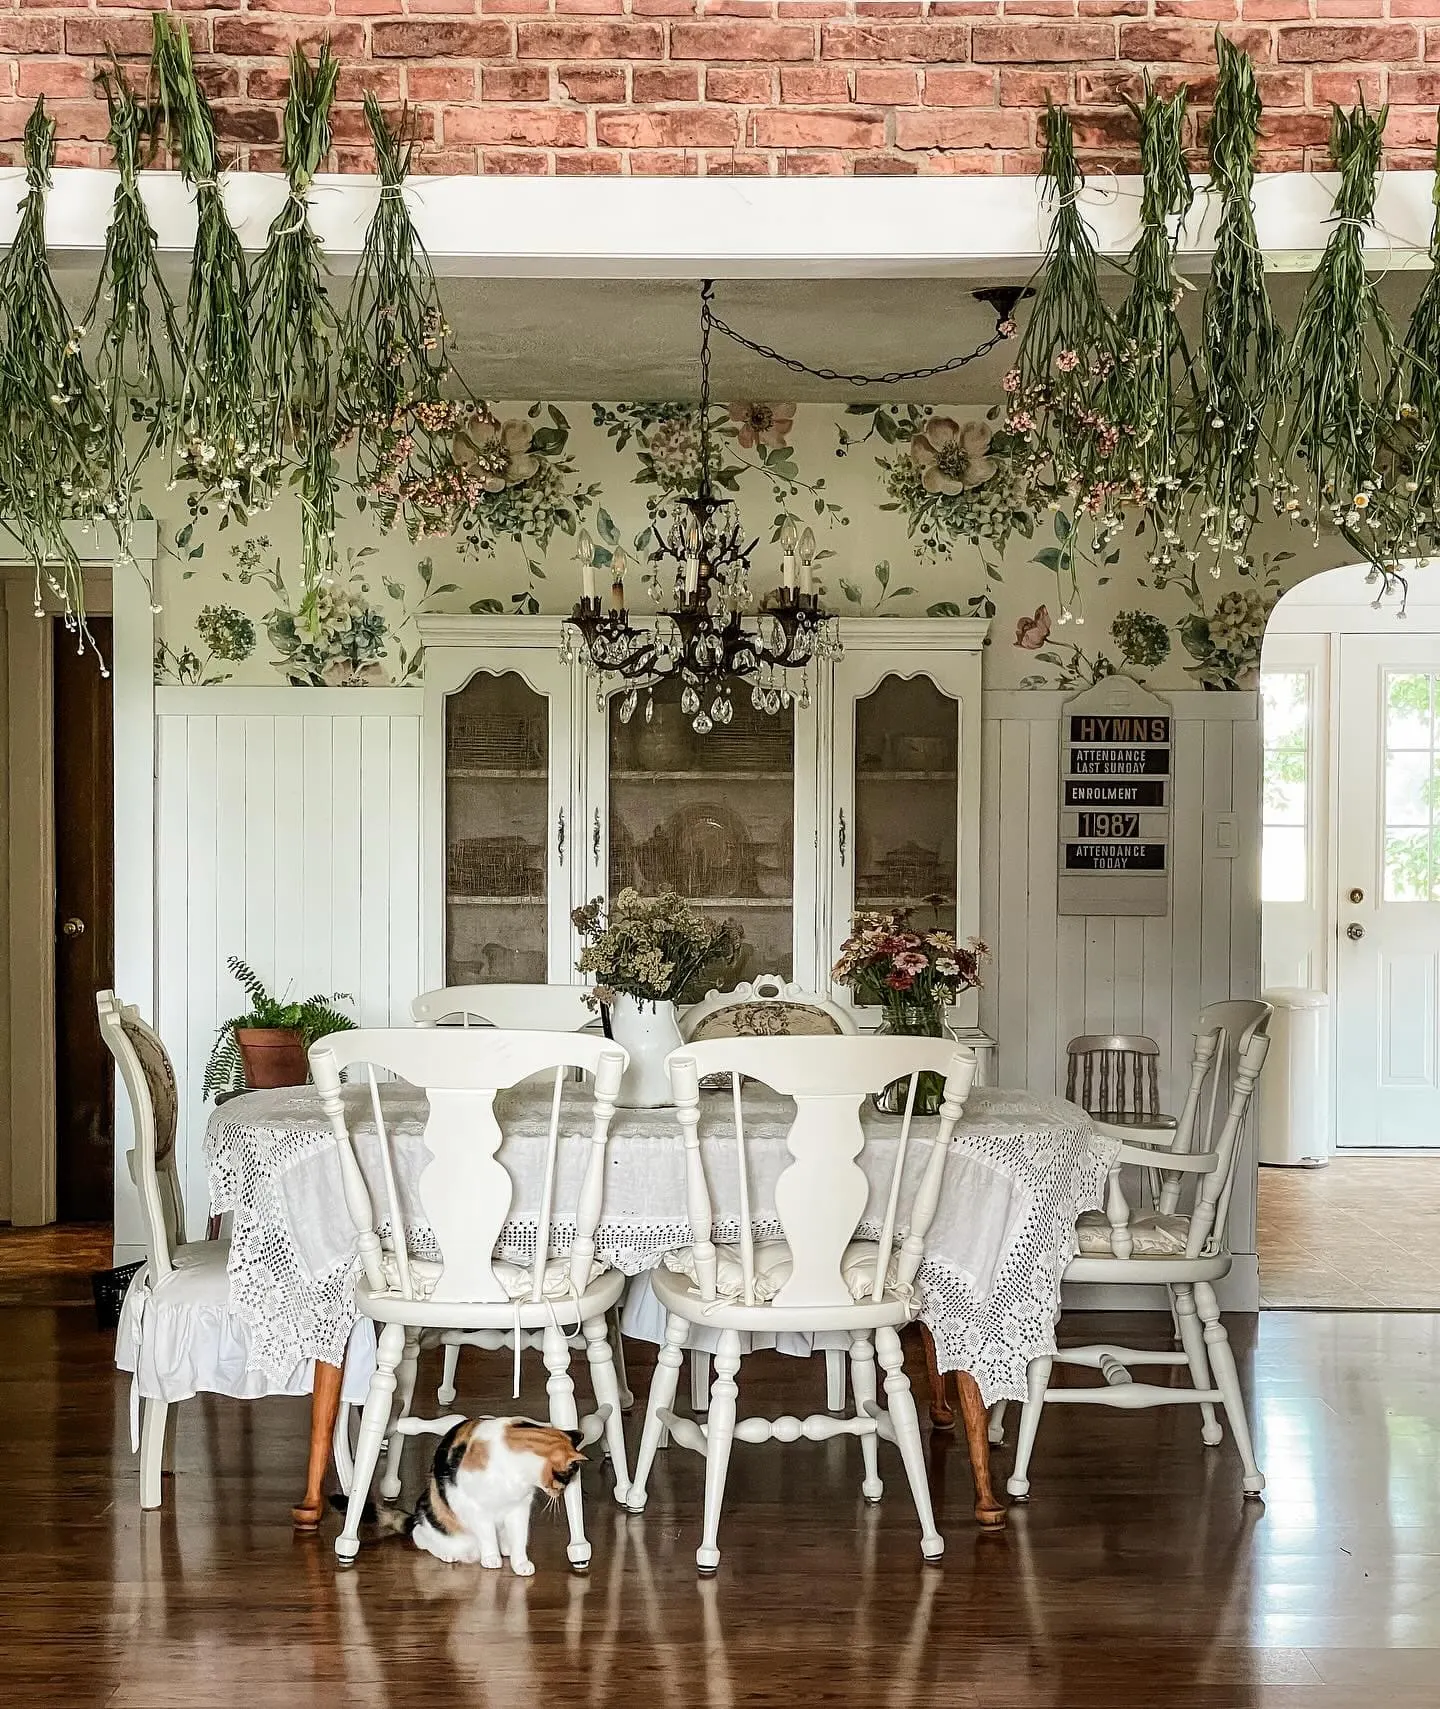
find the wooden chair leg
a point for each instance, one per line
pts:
(989, 1511)
(941, 1415)
(324, 1409)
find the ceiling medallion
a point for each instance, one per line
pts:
(705, 638)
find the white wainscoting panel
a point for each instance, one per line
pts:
(1053, 976)
(287, 833)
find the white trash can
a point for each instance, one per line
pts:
(1295, 1086)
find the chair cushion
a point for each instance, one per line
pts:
(769, 1017)
(160, 1079)
(516, 1279)
(772, 1269)
(1155, 1235)
(181, 1338)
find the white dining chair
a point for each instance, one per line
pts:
(835, 1267)
(766, 1007)
(1186, 1250)
(465, 1192)
(177, 1335)
(524, 1008)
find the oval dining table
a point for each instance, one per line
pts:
(1024, 1166)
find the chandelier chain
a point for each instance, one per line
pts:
(709, 319)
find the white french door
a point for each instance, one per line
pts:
(1387, 877)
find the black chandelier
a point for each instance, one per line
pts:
(703, 638)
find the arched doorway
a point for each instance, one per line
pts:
(1350, 896)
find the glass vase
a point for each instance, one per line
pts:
(913, 1020)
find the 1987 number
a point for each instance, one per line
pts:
(1109, 824)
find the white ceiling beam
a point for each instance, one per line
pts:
(660, 228)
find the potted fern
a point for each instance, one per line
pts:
(267, 1045)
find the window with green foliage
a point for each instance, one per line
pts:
(1285, 856)
(1412, 785)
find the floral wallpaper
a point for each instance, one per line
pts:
(917, 509)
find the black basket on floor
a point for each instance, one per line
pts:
(110, 1286)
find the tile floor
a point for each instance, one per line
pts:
(1362, 1234)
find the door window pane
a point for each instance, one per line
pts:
(907, 758)
(497, 752)
(1286, 807)
(1412, 787)
(711, 817)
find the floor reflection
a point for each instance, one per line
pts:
(1136, 1574)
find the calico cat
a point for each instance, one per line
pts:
(486, 1471)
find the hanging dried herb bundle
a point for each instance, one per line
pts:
(292, 322)
(218, 448)
(315, 483)
(52, 437)
(1068, 348)
(135, 370)
(1242, 346)
(1340, 357)
(1409, 429)
(393, 358)
(1150, 394)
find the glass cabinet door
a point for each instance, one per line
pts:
(500, 831)
(901, 786)
(712, 817)
(907, 767)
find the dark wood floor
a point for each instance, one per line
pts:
(1135, 1576)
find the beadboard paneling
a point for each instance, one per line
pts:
(288, 833)
(1053, 976)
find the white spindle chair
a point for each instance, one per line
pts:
(466, 1194)
(821, 1276)
(524, 1008)
(766, 1007)
(1189, 1253)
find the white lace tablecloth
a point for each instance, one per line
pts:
(1024, 1168)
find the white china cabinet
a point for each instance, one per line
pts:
(536, 798)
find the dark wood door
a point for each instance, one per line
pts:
(84, 927)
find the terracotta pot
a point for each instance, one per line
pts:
(273, 1056)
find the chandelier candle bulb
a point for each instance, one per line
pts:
(585, 552)
(807, 557)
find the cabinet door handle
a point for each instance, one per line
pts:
(560, 837)
(595, 839)
(842, 836)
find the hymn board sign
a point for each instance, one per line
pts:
(1116, 745)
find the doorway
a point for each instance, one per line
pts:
(1351, 911)
(84, 842)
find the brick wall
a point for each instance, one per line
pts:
(743, 86)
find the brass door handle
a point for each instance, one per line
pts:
(73, 928)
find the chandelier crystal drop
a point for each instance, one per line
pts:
(705, 638)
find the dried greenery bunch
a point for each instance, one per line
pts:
(292, 321)
(53, 432)
(1150, 393)
(219, 450)
(1337, 371)
(139, 337)
(651, 948)
(1409, 429)
(293, 330)
(394, 361)
(1242, 349)
(1068, 347)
